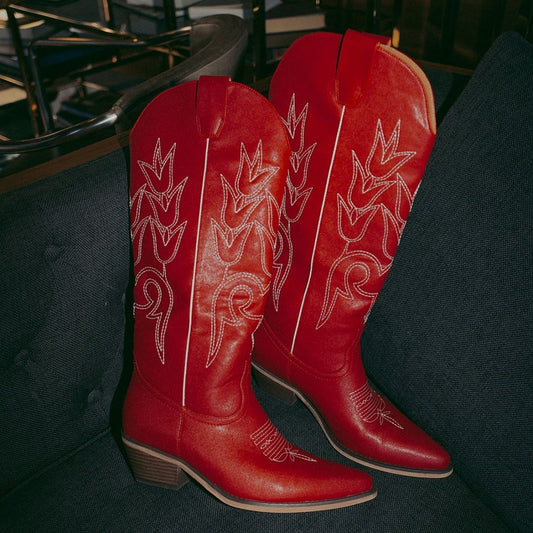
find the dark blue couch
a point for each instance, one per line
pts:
(450, 341)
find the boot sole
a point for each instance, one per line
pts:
(288, 394)
(153, 467)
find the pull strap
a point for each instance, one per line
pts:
(211, 99)
(354, 66)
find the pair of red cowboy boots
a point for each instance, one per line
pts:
(270, 228)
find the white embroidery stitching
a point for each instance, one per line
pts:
(274, 446)
(231, 305)
(295, 196)
(164, 235)
(236, 294)
(158, 309)
(370, 406)
(362, 208)
(385, 161)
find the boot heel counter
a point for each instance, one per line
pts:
(132, 419)
(148, 419)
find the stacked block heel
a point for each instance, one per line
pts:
(152, 468)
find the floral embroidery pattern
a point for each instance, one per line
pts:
(377, 203)
(235, 299)
(156, 228)
(295, 196)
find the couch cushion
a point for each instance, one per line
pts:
(93, 490)
(64, 272)
(450, 339)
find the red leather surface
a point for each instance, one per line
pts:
(208, 167)
(361, 124)
(204, 219)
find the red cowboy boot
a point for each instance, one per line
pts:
(361, 124)
(208, 166)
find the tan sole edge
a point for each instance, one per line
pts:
(166, 463)
(383, 467)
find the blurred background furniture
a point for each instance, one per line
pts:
(212, 45)
(44, 45)
(90, 62)
(69, 60)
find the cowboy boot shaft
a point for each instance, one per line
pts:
(360, 138)
(208, 165)
(361, 125)
(204, 214)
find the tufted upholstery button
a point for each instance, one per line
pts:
(94, 396)
(21, 359)
(53, 252)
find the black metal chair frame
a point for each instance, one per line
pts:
(217, 45)
(94, 35)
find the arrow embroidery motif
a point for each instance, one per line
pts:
(371, 406)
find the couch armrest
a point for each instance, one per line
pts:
(64, 272)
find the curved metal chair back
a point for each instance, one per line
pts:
(217, 46)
